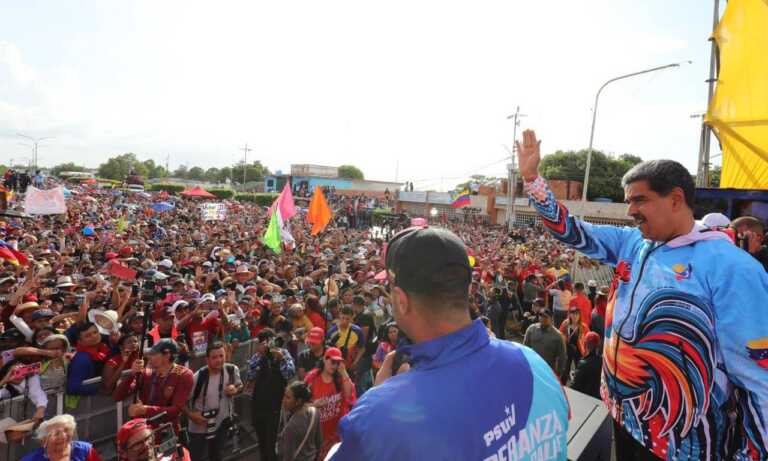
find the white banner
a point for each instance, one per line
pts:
(50, 201)
(214, 211)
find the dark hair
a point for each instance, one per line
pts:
(662, 177)
(578, 286)
(265, 334)
(453, 292)
(347, 311)
(358, 300)
(313, 303)
(83, 327)
(750, 222)
(212, 347)
(300, 391)
(124, 337)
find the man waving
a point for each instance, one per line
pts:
(685, 372)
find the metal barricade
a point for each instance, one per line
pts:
(98, 417)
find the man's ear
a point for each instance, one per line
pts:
(401, 301)
(678, 198)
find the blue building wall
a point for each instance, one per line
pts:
(275, 183)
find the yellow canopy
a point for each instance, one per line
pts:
(739, 109)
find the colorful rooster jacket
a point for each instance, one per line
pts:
(685, 368)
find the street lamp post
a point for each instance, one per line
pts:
(35, 142)
(512, 171)
(594, 118)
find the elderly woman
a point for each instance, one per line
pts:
(57, 437)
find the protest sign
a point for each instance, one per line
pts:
(121, 272)
(42, 202)
(214, 211)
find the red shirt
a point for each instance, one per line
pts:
(200, 333)
(331, 405)
(316, 319)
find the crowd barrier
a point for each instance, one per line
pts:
(99, 416)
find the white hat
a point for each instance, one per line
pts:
(64, 282)
(713, 220)
(592, 283)
(208, 297)
(178, 303)
(105, 321)
(167, 263)
(10, 424)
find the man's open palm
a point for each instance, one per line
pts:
(529, 155)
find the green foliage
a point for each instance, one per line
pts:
(181, 172)
(714, 176)
(605, 171)
(475, 179)
(196, 173)
(212, 175)
(262, 199)
(172, 189)
(254, 171)
(224, 194)
(154, 170)
(69, 166)
(350, 172)
(378, 211)
(118, 167)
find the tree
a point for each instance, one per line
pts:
(254, 171)
(117, 168)
(196, 173)
(605, 171)
(181, 172)
(476, 179)
(350, 172)
(714, 176)
(154, 170)
(69, 166)
(212, 175)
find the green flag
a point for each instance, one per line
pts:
(121, 225)
(271, 237)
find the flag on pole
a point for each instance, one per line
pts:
(285, 202)
(12, 255)
(271, 237)
(121, 224)
(462, 199)
(319, 212)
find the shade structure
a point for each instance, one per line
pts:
(197, 192)
(162, 207)
(739, 109)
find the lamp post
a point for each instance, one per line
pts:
(594, 118)
(512, 170)
(35, 142)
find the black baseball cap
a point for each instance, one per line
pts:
(545, 312)
(416, 259)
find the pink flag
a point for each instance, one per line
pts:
(285, 202)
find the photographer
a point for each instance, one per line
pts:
(136, 442)
(270, 369)
(210, 410)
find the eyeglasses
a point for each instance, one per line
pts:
(140, 444)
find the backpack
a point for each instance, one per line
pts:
(203, 378)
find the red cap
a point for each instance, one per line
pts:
(315, 336)
(129, 429)
(110, 256)
(334, 353)
(31, 297)
(126, 251)
(163, 310)
(592, 339)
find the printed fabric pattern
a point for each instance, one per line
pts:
(685, 370)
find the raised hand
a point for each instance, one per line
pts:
(529, 155)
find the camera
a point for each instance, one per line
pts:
(210, 415)
(166, 441)
(277, 342)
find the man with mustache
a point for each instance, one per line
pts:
(685, 372)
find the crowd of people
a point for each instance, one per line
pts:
(117, 291)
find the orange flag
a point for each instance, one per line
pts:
(319, 213)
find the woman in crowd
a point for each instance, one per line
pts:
(16, 379)
(57, 437)
(387, 344)
(53, 372)
(574, 330)
(299, 437)
(333, 394)
(113, 368)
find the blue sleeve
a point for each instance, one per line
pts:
(740, 294)
(80, 369)
(71, 334)
(603, 243)
(351, 447)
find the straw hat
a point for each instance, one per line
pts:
(105, 321)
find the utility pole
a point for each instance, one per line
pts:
(167, 163)
(35, 142)
(702, 173)
(512, 170)
(245, 150)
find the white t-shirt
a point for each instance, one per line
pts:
(211, 397)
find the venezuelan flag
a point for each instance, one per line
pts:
(12, 256)
(758, 351)
(462, 199)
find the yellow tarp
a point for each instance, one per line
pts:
(739, 108)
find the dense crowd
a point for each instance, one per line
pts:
(113, 275)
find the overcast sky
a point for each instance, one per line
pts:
(426, 84)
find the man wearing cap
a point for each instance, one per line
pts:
(312, 356)
(429, 276)
(135, 442)
(686, 339)
(163, 387)
(547, 341)
(586, 378)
